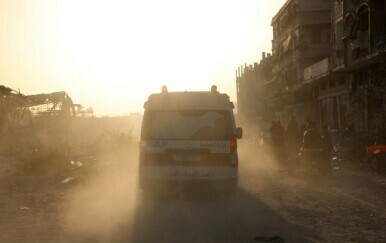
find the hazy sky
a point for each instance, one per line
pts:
(111, 54)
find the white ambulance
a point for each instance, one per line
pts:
(188, 138)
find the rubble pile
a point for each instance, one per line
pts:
(45, 132)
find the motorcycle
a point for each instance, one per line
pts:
(377, 155)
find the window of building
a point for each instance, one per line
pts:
(356, 53)
(364, 18)
(358, 79)
(338, 35)
(342, 81)
(325, 35)
(323, 86)
(315, 36)
(365, 21)
(343, 111)
(331, 84)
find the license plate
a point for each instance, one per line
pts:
(186, 157)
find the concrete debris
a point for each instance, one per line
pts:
(67, 180)
(76, 164)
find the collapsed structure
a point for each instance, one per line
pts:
(37, 122)
(50, 126)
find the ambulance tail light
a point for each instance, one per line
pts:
(233, 153)
(233, 144)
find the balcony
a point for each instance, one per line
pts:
(316, 71)
(313, 5)
(306, 50)
(313, 18)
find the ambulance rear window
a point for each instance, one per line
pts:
(187, 125)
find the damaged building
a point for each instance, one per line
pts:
(36, 123)
(364, 60)
(328, 65)
(301, 36)
(250, 80)
(13, 111)
(351, 80)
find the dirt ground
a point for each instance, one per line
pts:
(103, 204)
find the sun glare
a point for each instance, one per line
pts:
(137, 46)
(113, 54)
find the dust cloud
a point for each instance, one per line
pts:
(103, 204)
(255, 152)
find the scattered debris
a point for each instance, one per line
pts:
(76, 164)
(67, 180)
(24, 208)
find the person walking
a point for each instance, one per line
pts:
(273, 133)
(280, 134)
(280, 141)
(292, 126)
(277, 136)
(327, 150)
(312, 147)
(292, 144)
(311, 137)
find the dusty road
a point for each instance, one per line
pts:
(105, 206)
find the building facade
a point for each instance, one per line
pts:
(301, 37)
(250, 81)
(364, 55)
(352, 87)
(328, 64)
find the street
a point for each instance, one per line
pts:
(280, 103)
(105, 206)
